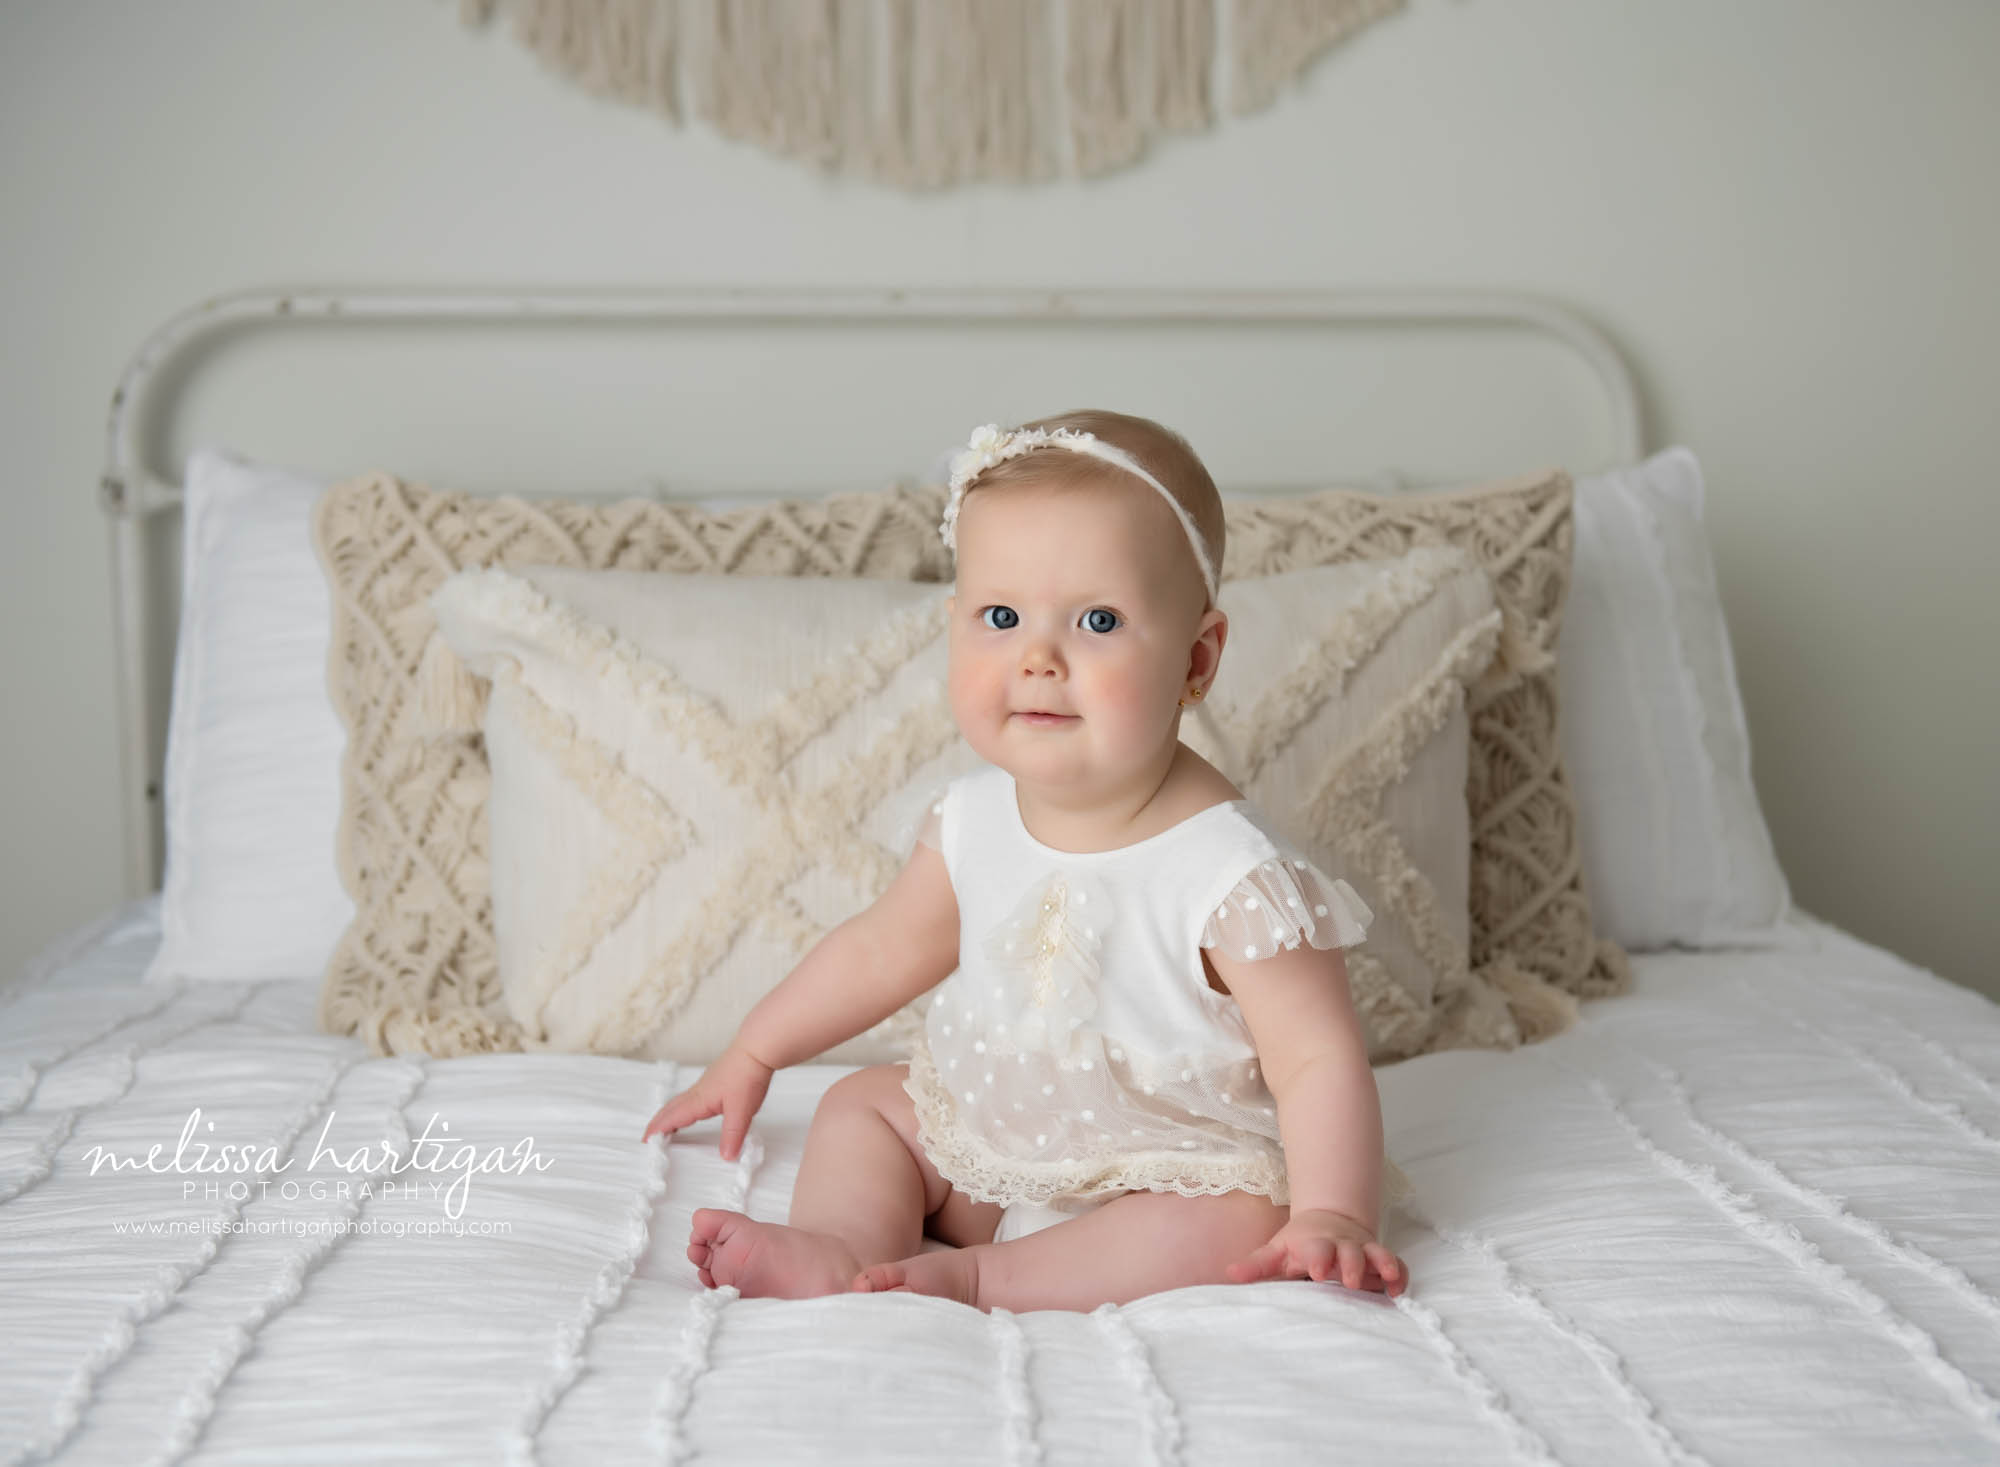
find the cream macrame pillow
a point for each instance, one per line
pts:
(696, 777)
(416, 971)
(1531, 928)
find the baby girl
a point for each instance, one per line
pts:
(1142, 1068)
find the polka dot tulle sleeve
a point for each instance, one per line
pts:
(1283, 903)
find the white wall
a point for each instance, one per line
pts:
(1786, 212)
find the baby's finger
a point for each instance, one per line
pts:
(1317, 1258)
(1257, 1266)
(1353, 1265)
(662, 1121)
(1394, 1277)
(683, 1110)
(735, 1125)
(1245, 1270)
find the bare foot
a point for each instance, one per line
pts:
(948, 1273)
(767, 1260)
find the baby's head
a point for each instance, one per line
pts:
(1052, 533)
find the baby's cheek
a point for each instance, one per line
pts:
(975, 692)
(961, 675)
(1136, 689)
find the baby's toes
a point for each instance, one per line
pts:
(698, 1253)
(1386, 1267)
(879, 1278)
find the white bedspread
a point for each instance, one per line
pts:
(1746, 1214)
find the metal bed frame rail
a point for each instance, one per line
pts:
(130, 493)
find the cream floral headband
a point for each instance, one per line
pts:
(990, 445)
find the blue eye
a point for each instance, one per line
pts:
(1013, 618)
(1090, 619)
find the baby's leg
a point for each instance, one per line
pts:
(1138, 1244)
(863, 1193)
(866, 1180)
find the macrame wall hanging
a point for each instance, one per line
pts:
(923, 94)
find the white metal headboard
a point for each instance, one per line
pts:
(1417, 389)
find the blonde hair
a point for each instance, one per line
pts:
(1164, 454)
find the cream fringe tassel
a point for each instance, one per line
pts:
(930, 93)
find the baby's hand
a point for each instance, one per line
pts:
(1315, 1244)
(734, 1085)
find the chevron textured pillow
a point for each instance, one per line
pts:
(694, 777)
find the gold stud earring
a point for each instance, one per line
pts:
(1196, 692)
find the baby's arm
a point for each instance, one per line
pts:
(855, 976)
(901, 946)
(1314, 1055)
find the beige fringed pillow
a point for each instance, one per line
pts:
(694, 777)
(1533, 946)
(416, 970)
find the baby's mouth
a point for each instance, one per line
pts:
(1047, 720)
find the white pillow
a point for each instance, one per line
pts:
(253, 746)
(1674, 846)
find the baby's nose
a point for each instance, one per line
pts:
(1040, 661)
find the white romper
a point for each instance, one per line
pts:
(1078, 1051)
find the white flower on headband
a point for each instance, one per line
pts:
(985, 440)
(988, 446)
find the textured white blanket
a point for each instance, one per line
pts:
(1746, 1213)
